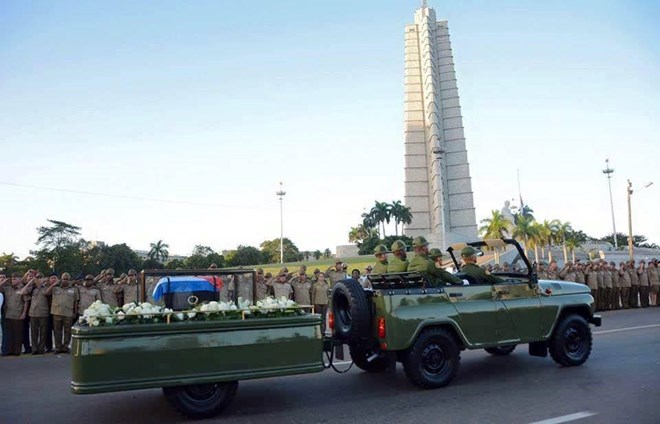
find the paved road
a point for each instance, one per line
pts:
(619, 384)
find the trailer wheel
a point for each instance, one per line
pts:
(351, 310)
(201, 400)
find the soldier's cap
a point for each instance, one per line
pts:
(338, 261)
(398, 245)
(16, 275)
(260, 270)
(109, 271)
(89, 277)
(39, 275)
(284, 270)
(419, 241)
(369, 267)
(468, 251)
(345, 266)
(52, 274)
(435, 253)
(381, 248)
(316, 271)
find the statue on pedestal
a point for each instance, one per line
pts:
(507, 215)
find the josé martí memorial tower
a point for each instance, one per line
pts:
(438, 188)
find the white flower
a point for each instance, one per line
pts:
(180, 316)
(120, 315)
(191, 315)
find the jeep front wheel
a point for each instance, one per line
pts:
(571, 342)
(432, 361)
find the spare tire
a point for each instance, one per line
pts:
(351, 310)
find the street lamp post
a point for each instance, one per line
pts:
(608, 171)
(281, 194)
(630, 232)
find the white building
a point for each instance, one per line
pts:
(438, 188)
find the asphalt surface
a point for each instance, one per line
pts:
(620, 383)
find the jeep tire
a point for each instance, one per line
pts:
(500, 350)
(198, 401)
(360, 353)
(571, 341)
(432, 361)
(352, 311)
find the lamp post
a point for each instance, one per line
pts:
(281, 194)
(608, 171)
(630, 232)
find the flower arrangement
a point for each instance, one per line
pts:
(145, 313)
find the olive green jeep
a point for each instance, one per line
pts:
(408, 318)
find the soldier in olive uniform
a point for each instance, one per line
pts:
(107, 287)
(601, 286)
(541, 273)
(634, 285)
(654, 281)
(63, 309)
(553, 272)
(579, 274)
(380, 267)
(262, 285)
(39, 312)
(470, 268)
(625, 284)
(127, 288)
(336, 274)
(281, 288)
(616, 289)
(15, 310)
(302, 287)
(568, 273)
(436, 256)
(424, 265)
(398, 263)
(320, 297)
(644, 284)
(592, 281)
(87, 294)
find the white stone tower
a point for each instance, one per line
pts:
(437, 174)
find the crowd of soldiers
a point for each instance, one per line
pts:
(38, 311)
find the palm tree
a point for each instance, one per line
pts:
(535, 239)
(495, 227)
(404, 216)
(369, 220)
(381, 213)
(159, 251)
(572, 243)
(564, 229)
(524, 230)
(8, 260)
(327, 253)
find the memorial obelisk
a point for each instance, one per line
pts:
(438, 187)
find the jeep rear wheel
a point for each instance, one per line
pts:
(500, 350)
(571, 342)
(432, 361)
(201, 400)
(351, 310)
(361, 354)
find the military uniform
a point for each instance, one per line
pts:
(334, 275)
(644, 287)
(87, 296)
(108, 294)
(302, 287)
(424, 265)
(380, 267)
(127, 292)
(13, 312)
(396, 264)
(479, 275)
(634, 287)
(39, 314)
(607, 283)
(654, 281)
(63, 310)
(319, 295)
(282, 290)
(625, 285)
(568, 274)
(592, 282)
(616, 288)
(262, 288)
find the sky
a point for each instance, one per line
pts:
(176, 121)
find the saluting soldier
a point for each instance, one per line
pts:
(63, 309)
(643, 284)
(470, 268)
(302, 287)
(87, 294)
(654, 281)
(568, 273)
(262, 286)
(609, 287)
(592, 282)
(281, 288)
(127, 288)
(107, 286)
(553, 272)
(541, 273)
(380, 267)
(616, 288)
(336, 274)
(601, 286)
(15, 310)
(398, 263)
(634, 284)
(39, 312)
(320, 297)
(579, 274)
(423, 264)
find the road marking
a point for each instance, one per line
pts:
(616, 330)
(566, 418)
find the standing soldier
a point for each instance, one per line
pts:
(107, 288)
(579, 274)
(15, 308)
(320, 297)
(643, 284)
(302, 287)
(335, 274)
(399, 263)
(542, 274)
(63, 309)
(616, 287)
(553, 272)
(607, 282)
(634, 284)
(592, 282)
(127, 289)
(380, 267)
(625, 284)
(601, 286)
(39, 312)
(87, 294)
(568, 273)
(281, 288)
(262, 286)
(654, 281)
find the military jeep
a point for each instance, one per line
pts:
(408, 318)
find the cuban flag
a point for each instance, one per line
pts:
(186, 284)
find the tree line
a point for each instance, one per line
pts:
(367, 234)
(61, 248)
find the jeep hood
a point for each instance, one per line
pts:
(563, 287)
